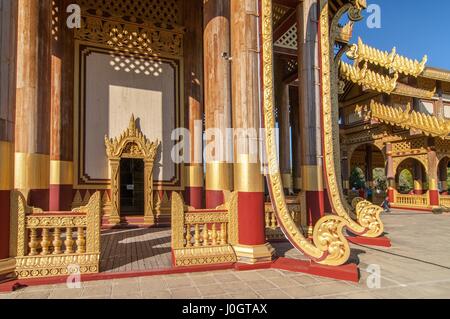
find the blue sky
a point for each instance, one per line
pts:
(415, 27)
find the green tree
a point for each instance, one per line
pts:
(357, 178)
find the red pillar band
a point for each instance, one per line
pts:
(4, 223)
(193, 196)
(315, 206)
(434, 197)
(251, 219)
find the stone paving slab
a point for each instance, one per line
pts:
(417, 266)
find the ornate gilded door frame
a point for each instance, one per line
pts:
(133, 144)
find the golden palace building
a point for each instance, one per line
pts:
(91, 93)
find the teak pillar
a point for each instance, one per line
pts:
(8, 16)
(390, 173)
(310, 121)
(296, 140)
(443, 174)
(433, 163)
(193, 88)
(418, 178)
(284, 126)
(248, 178)
(61, 132)
(217, 99)
(32, 149)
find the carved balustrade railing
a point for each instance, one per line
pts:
(203, 237)
(273, 230)
(57, 244)
(444, 200)
(411, 201)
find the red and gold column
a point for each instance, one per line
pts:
(61, 129)
(390, 173)
(193, 88)
(418, 178)
(32, 148)
(443, 174)
(310, 121)
(248, 178)
(8, 16)
(296, 141)
(217, 99)
(433, 164)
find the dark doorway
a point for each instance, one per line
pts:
(132, 187)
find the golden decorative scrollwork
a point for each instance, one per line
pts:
(360, 222)
(430, 125)
(368, 78)
(389, 60)
(329, 245)
(132, 143)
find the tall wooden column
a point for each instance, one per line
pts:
(443, 175)
(61, 133)
(296, 140)
(284, 126)
(193, 88)
(369, 166)
(433, 163)
(8, 32)
(285, 139)
(248, 178)
(217, 98)
(390, 173)
(418, 178)
(32, 158)
(309, 97)
(345, 171)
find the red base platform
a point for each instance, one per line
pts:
(380, 241)
(347, 272)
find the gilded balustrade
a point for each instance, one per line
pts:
(57, 244)
(273, 229)
(204, 237)
(411, 201)
(444, 201)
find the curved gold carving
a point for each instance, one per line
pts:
(132, 143)
(389, 60)
(329, 245)
(365, 222)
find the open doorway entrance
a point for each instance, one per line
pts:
(132, 187)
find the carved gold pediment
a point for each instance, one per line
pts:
(132, 143)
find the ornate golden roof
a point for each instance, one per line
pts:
(389, 60)
(368, 78)
(430, 125)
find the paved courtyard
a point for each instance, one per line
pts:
(417, 266)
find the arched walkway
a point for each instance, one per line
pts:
(368, 173)
(411, 177)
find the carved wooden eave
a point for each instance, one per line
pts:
(368, 78)
(436, 74)
(392, 61)
(410, 91)
(429, 125)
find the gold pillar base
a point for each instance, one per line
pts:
(254, 254)
(114, 220)
(7, 266)
(149, 220)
